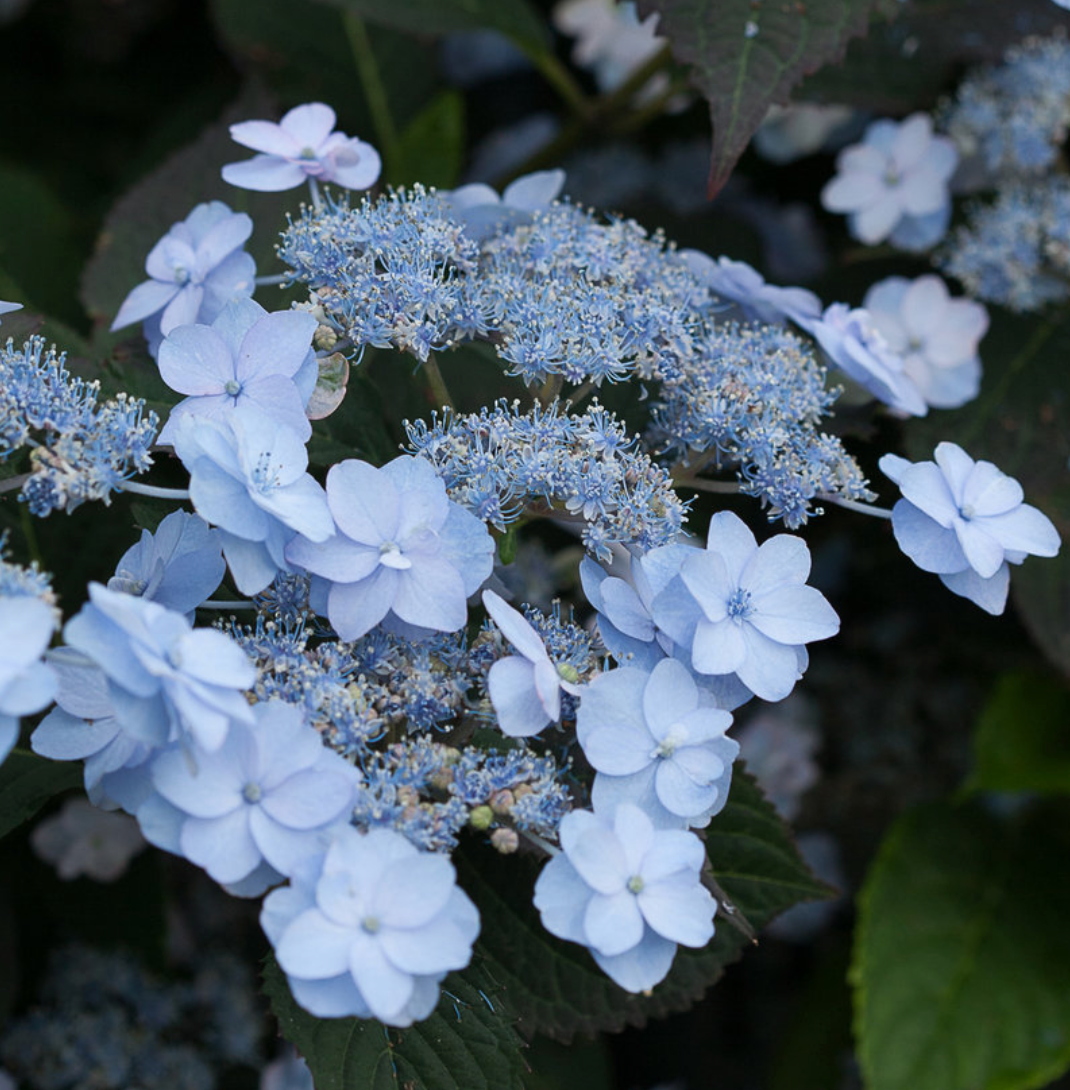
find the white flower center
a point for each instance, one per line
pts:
(370, 924)
(391, 556)
(672, 741)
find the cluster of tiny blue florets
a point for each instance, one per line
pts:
(79, 450)
(1010, 122)
(754, 396)
(585, 467)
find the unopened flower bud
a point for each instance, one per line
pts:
(505, 841)
(482, 817)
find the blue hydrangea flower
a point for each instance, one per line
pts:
(194, 271)
(895, 183)
(965, 521)
(628, 892)
(744, 609)
(247, 476)
(655, 742)
(245, 362)
(165, 679)
(269, 793)
(178, 566)
(525, 689)
(935, 336)
(26, 683)
(403, 549)
(301, 146)
(370, 928)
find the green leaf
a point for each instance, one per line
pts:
(1021, 422)
(962, 959)
(431, 148)
(1022, 739)
(468, 1043)
(745, 57)
(557, 989)
(28, 781)
(516, 19)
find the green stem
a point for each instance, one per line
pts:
(437, 384)
(559, 78)
(371, 81)
(727, 488)
(30, 536)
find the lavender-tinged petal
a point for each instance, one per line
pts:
(641, 967)
(314, 947)
(354, 609)
(613, 923)
(511, 685)
(264, 174)
(224, 847)
(145, 299)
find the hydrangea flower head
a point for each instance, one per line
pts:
(654, 741)
(935, 336)
(627, 891)
(895, 183)
(525, 688)
(266, 795)
(194, 271)
(965, 521)
(370, 928)
(26, 683)
(302, 145)
(246, 361)
(744, 609)
(402, 547)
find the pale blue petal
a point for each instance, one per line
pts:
(145, 299)
(354, 609)
(364, 502)
(990, 594)
(264, 173)
(613, 923)
(313, 947)
(718, 648)
(932, 547)
(223, 846)
(561, 896)
(795, 614)
(511, 685)
(641, 967)
(678, 912)
(386, 988)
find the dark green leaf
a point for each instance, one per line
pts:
(27, 782)
(514, 18)
(1022, 739)
(745, 57)
(1021, 421)
(557, 989)
(469, 1043)
(962, 960)
(432, 145)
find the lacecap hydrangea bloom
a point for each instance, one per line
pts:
(194, 271)
(894, 185)
(302, 146)
(966, 521)
(628, 892)
(402, 549)
(370, 928)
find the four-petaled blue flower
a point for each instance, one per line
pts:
(965, 521)
(302, 145)
(627, 891)
(403, 549)
(370, 928)
(247, 361)
(194, 271)
(744, 609)
(655, 742)
(268, 794)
